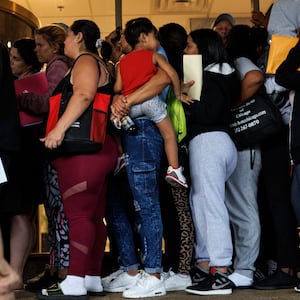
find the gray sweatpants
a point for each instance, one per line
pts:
(241, 201)
(213, 158)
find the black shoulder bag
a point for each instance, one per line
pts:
(255, 120)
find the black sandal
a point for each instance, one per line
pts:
(54, 292)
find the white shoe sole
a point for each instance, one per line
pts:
(177, 288)
(118, 289)
(174, 289)
(154, 293)
(210, 292)
(175, 182)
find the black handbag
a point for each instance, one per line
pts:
(87, 134)
(254, 121)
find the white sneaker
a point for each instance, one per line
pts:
(121, 282)
(177, 282)
(165, 275)
(106, 280)
(93, 285)
(175, 177)
(240, 280)
(146, 286)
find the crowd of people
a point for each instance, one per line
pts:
(229, 217)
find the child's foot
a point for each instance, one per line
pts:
(175, 177)
(120, 164)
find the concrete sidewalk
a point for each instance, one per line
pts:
(36, 264)
(236, 295)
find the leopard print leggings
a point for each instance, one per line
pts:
(181, 202)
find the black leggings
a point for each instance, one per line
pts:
(276, 186)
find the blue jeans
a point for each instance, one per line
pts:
(144, 153)
(121, 219)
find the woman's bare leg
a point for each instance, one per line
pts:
(21, 242)
(9, 279)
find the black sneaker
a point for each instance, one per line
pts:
(278, 280)
(215, 284)
(259, 275)
(198, 275)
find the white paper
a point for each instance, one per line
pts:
(3, 177)
(192, 70)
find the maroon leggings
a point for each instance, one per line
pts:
(82, 181)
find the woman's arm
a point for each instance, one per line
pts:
(118, 84)
(39, 104)
(154, 86)
(250, 84)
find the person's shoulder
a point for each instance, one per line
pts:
(244, 65)
(161, 51)
(86, 60)
(88, 57)
(243, 61)
(59, 60)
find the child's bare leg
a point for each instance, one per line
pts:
(174, 175)
(171, 148)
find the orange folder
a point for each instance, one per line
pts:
(279, 49)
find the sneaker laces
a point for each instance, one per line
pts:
(168, 274)
(143, 278)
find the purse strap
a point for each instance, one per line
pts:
(85, 53)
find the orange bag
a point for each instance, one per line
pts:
(87, 134)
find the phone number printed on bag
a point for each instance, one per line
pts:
(239, 126)
(254, 121)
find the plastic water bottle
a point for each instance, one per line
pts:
(128, 124)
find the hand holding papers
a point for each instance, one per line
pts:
(192, 70)
(36, 83)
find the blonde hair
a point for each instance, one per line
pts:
(54, 35)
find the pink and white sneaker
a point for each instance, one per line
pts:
(175, 177)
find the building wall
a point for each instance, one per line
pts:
(194, 13)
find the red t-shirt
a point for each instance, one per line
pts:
(136, 69)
